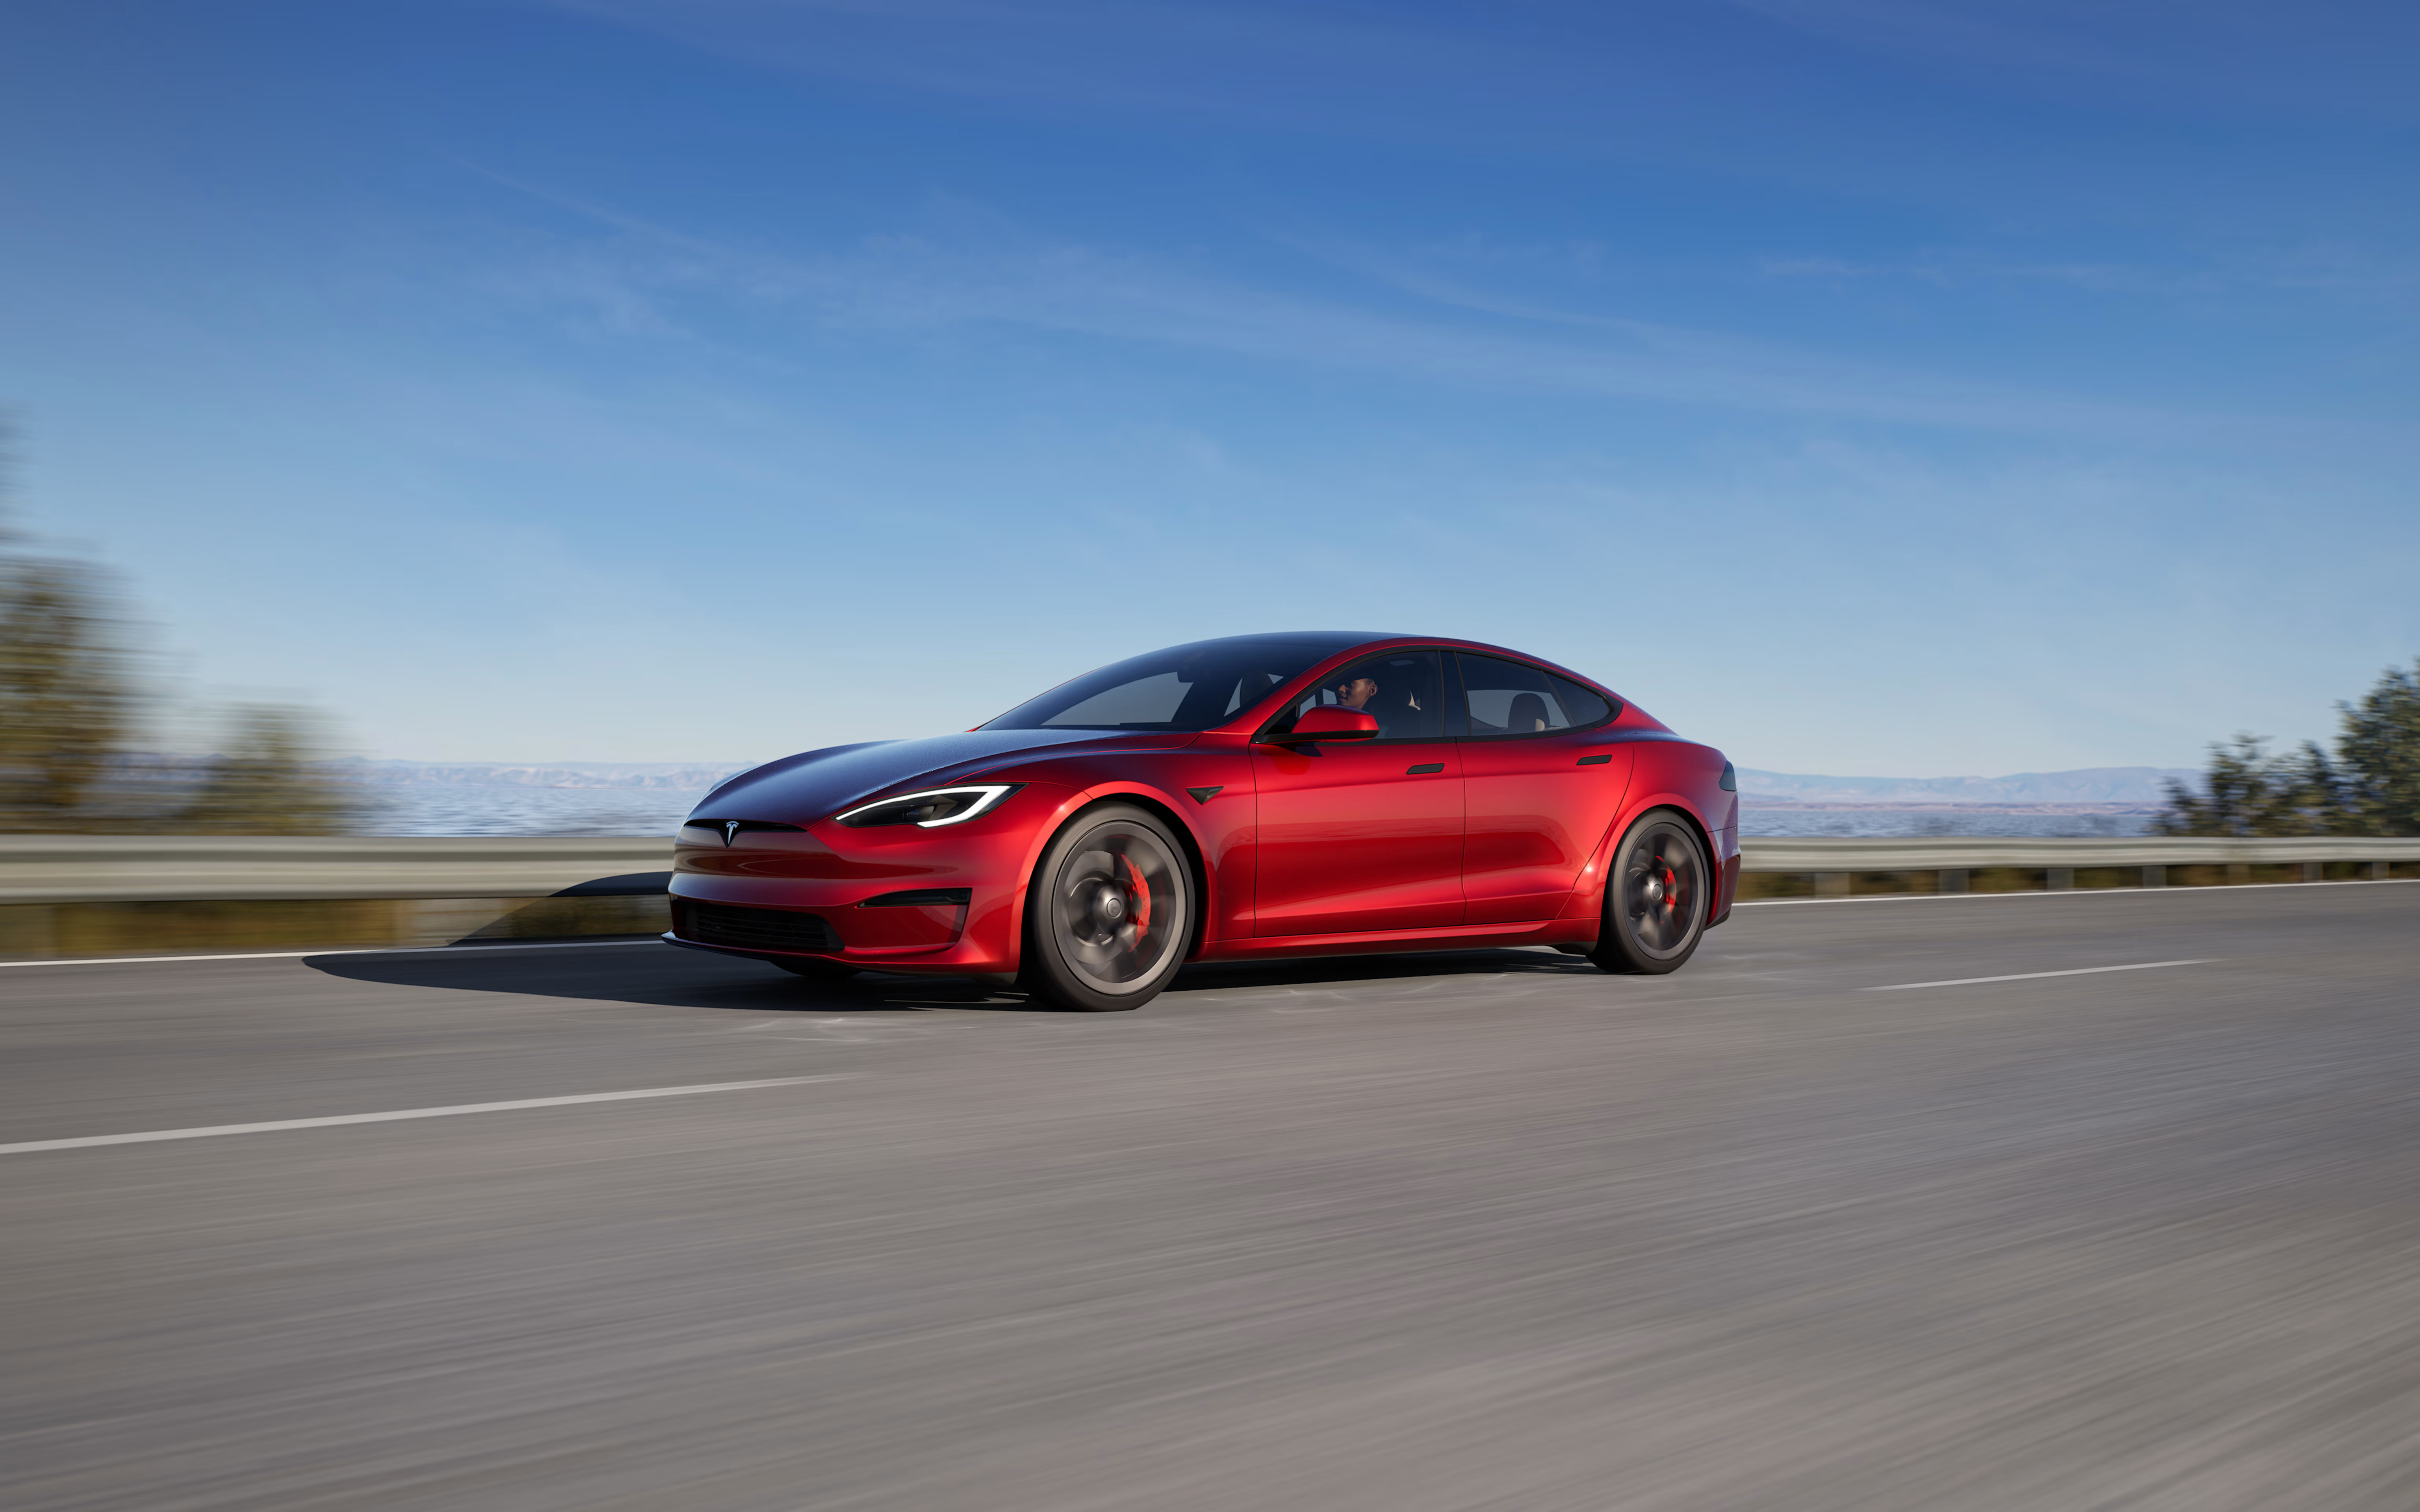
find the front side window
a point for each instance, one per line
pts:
(1183, 687)
(1405, 690)
(1506, 698)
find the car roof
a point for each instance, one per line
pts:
(1379, 642)
(1340, 644)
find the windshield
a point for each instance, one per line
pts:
(1183, 687)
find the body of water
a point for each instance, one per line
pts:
(2050, 823)
(462, 808)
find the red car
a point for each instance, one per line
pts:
(1256, 796)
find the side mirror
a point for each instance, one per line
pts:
(1327, 723)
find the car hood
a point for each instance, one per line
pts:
(815, 784)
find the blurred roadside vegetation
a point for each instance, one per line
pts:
(81, 709)
(2368, 785)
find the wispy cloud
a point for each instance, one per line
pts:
(2356, 277)
(1329, 64)
(1958, 270)
(1180, 56)
(1407, 323)
(2224, 53)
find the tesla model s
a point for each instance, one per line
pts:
(1262, 795)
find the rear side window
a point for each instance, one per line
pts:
(1506, 698)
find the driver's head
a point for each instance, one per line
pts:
(1356, 692)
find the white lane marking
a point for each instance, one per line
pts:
(363, 949)
(404, 1113)
(2036, 975)
(2069, 893)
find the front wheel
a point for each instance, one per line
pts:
(1109, 913)
(1655, 898)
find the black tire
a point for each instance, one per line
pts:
(1657, 893)
(1109, 913)
(817, 970)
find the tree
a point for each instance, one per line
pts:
(2370, 786)
(2247, 792)
(2380, 749)
(66, 697)
(72, 698)
(265, 784)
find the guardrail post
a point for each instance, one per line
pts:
(2059, 878)
(2238, 874)
(2378, 870)
(1950, 879)
(2314, 872)
(2155, 876)
(1832, 883)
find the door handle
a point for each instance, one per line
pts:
(1425, 768)
(1598, 760)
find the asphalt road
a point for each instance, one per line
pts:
(1481, 1231)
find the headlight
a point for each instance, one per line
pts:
(932, 808)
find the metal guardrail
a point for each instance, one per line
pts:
(60, 868)
(1971, 852)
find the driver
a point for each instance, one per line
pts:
(1361, 691)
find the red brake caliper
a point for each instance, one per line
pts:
(1142, 914)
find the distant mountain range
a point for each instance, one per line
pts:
(2123, 785)
(670, 776)
(2130, 785)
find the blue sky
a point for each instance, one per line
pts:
(1862, 385)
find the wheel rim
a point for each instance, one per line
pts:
(1663, 884)
(1118, 907)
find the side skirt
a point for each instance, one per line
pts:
(1382, 942)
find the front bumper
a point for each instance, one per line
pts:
(948, 901)
(888, 927)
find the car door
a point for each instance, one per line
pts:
(1540, 787)
(1364, 834)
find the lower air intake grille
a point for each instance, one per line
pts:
(756, 929)
(925, 898)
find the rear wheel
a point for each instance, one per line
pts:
(1109, 914)
(1655, 898)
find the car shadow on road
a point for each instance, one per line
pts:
(1344, 970)
(673, 978)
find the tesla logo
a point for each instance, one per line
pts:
(730, 827)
